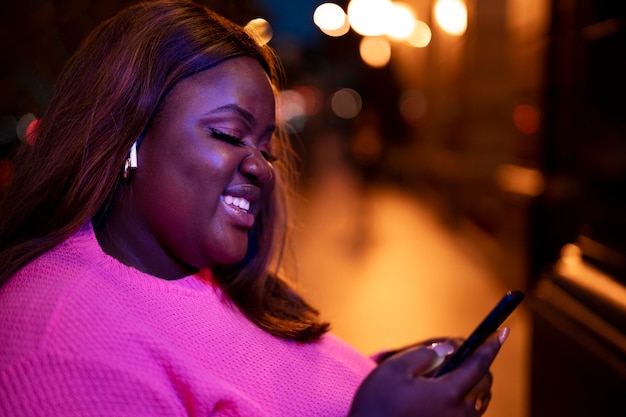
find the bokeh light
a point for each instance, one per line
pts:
(313, 98)
(369, 17)
(384, 20)
(260, 29)
(291, 105)
(401, 21)
(375, 51)
(331, 19)
(421, 35)
(451, 16)
(346, 103)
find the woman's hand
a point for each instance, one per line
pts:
(399, 387)
(386, 354)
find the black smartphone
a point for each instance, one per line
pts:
(486, 328)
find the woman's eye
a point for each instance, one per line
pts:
(233, 140)
(217, 134)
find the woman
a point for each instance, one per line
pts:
(140, 238)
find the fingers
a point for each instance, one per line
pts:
(416, 361)
(478, 404)
(470, 373)
(483, 387)
(478, 398)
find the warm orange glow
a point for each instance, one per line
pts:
(367, 146)
(572, 266)
(520, 180)
(413, 106)
(526, 118)
(375, 51)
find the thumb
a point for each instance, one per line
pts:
(421, 360)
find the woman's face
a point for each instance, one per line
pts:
(204, 168)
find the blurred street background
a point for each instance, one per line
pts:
(451, 150)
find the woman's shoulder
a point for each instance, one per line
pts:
(31, 298)
(53, 273)
(70, 297)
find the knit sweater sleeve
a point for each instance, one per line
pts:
(56, 386)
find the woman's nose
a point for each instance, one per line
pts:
(257, 168)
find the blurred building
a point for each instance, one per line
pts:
(513, 128)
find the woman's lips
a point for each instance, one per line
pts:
(238, 209)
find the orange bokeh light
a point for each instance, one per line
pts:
(526, 118)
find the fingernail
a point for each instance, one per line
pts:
(442, 349)
(503, 334)
(478, 405)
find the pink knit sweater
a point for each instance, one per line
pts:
(83, 335)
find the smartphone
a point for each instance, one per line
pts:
(486, 328)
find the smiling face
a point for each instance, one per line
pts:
(204, 172)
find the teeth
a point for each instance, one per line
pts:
(241, 203)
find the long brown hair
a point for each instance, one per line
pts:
(105, 98)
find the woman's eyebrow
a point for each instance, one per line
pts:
(243, 113)
(233, 108)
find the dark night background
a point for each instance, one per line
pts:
(572, 70)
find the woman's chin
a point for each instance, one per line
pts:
(232, 258)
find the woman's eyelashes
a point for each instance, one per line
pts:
(225, 137)
(235, 141)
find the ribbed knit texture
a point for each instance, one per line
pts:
(83, 335)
